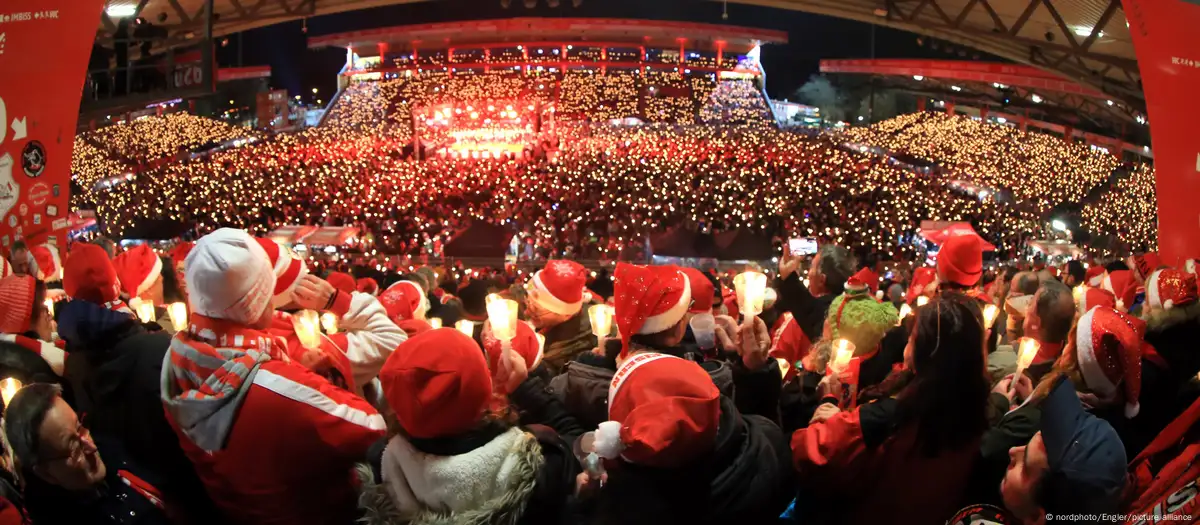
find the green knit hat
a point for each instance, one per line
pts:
(861, 319)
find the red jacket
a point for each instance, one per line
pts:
(861, 470)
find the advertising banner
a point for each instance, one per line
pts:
(1168, 52)
(44, 48)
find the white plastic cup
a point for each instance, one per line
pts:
(704, 328)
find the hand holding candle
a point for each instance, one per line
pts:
(751, 291)
(1027, 350)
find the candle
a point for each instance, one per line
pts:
(466, 327)
(1077, 293)
(1027, 350)
(308, 328)
(769, 297)
(990, 312)
(8, 388)
(843, 351)
(922, 300)
(435, 322)
(601, 316)
(329, 322)
(145, 311)
(502, 313)
(50, 306)
(905, 311)
(179, 316)
(751, 290)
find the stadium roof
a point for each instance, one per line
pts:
(1084, 40)
(517, 30)
(1087, 41)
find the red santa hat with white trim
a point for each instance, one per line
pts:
(648, 299)
(88, 275)
(663, 412)
(1094, 276)
(289, 268)
(1143, 265)
(1169, 288)
(404, 300)
(526, 344)
(1108, 345)
(138, 267)
(559, 287)
(49, 264)
(1123, 286)
(367, 285)
(1093, 297)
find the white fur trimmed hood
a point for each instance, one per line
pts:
(489, 485)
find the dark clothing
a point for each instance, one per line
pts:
(1011, 429)
(808, 311)
(114, 502)
(114, 365)
(747, 479)
(1177, 346)
(1161, 403)
(24, 365)
(536, 404)
(567, 340)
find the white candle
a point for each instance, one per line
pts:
(8, 388)
(466, 327)
(922, 300)
(329, 322)
(843, 352)
(751, 290)
(179, 316)
(990, 312)
(1078, 292)
(145, 312)
(1027, 350)
(502, 313)
(435, 322)
(308, 328)
(905, 311)
(601, 316)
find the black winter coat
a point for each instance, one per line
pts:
(747, 479)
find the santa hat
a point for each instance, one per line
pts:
(48, 262)
(5, 268)
(344, 282)
(437, 383)
(1169, 288)
(863, 283)
(404, 300)
(229, 277)
(1143, 265)
(921, 278)
(288, 267)
(960, 260)
(559, 287)
(367, 285)
(16, 303)
(1094, 276)
(648, 299)
(1093, 297)
(138, 267)
(663, 412)
(702, 291)
(1123, 287)
(89, 275)
(1109, 348)
(180, 252)
(525, 344)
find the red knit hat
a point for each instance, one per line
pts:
(16, 303)
(289, 268)
(921, 278)
(1094, 276)
(437, 383)
(89, 276)
(404, 300)
(48, 262)
(1109, 348)
(367, 285)
(1123, 287)
(960, 260)
(559, 287)
(524, 344)
(1094, 297)
(1169, 288)
(649, 299)
(5, 268)
(180, 252)
(1143, 265)
(702, 291)
(344, 282)
(663, 411)
(138, 267)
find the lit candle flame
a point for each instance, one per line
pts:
(751, 290)
(601, 316)
(329, 322)
(1078, 292)
(905, 311)
(307, 328)
(990, 312)
(1028, 349)
(435, 322)
(8, 388)
(922, 300)
(466, 327)
(502, 314)
(843, 352)
(145, 312)
(179, 316)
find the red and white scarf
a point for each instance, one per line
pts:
(207, 375)
(54, 356)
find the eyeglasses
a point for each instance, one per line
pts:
(79, 446)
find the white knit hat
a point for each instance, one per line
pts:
(229, 277)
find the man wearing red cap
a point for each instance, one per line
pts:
(555, 305)
(26, 328)
(273, 442)
(455, 460)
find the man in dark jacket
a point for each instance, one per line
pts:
(72, 476)
(826, 280)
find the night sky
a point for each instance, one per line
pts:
(811, 37)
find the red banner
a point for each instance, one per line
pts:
(44, 47)
(1168, 52)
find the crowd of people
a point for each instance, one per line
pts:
(198, 386)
